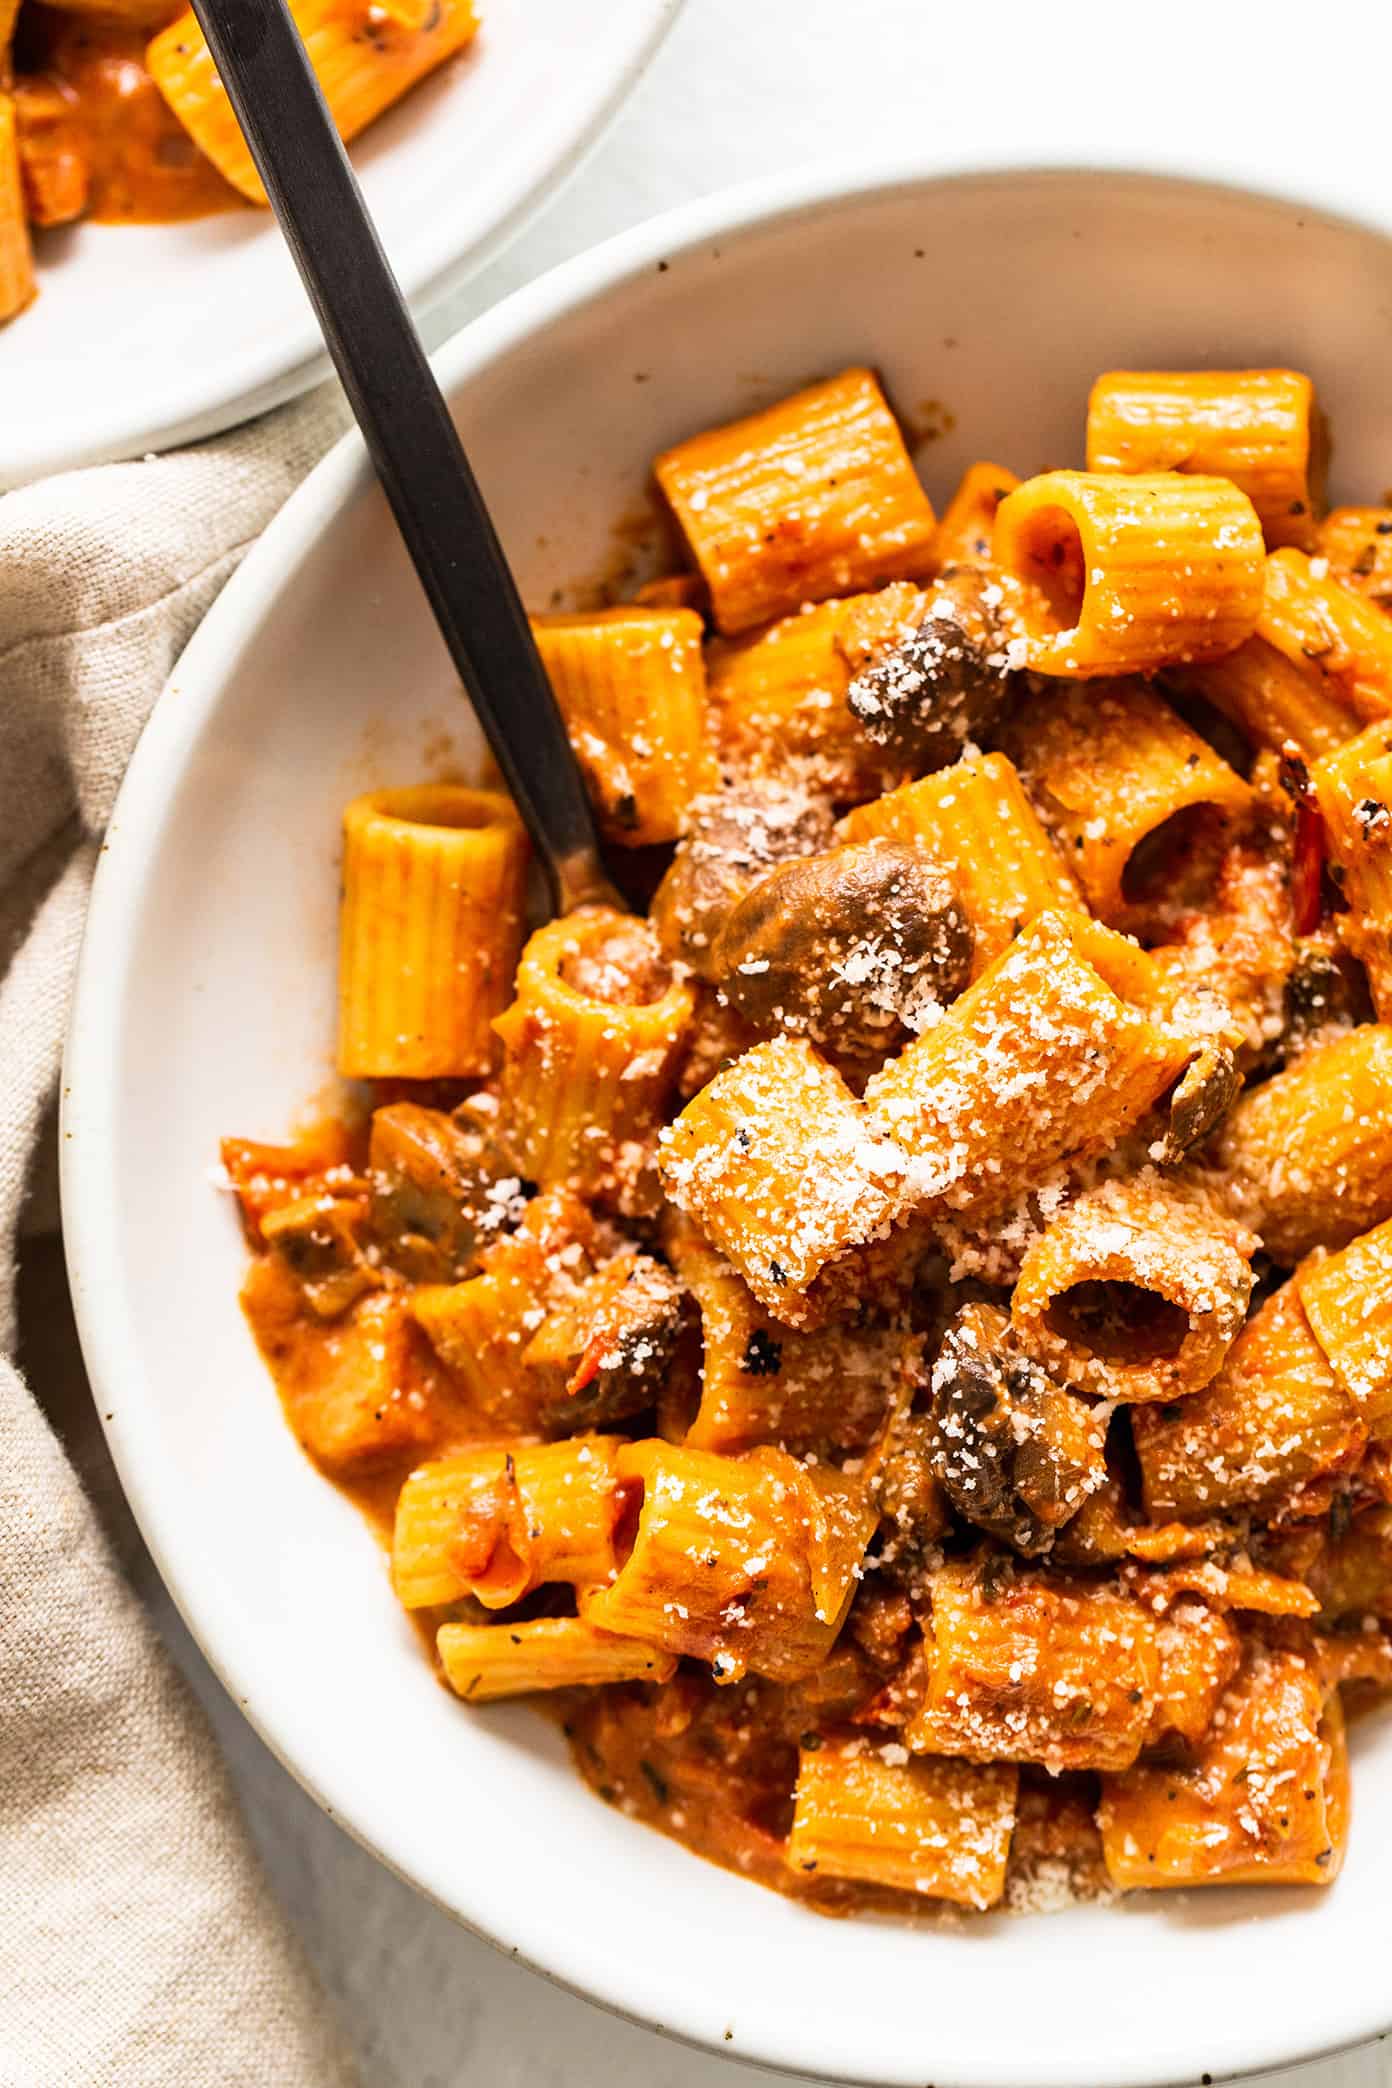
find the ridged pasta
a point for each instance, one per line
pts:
(1273, 1419)
(1357, 544)
(481, 1328)
(1123, 575)
(1135, 1292)
(631, 686)
(1265, 1802)
(485, 1661)
(434, 891)
(497, 1522)
(1348, 1301)
(1329, 632)
(976, 820)
(1260, 428)
(776, 1163)
(1307, 1155)
(17, 284)
(746, 1562)
(364, 60)
(1272, 700)
(1050, 1056)
(764, 1382)
(812, 497)
(1023, 1669)
(590, 1048)
(938, 1828)
(1127, 788)
(1354, 788)
(779, 696)
(964, 534)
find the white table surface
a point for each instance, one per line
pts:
(746, 87)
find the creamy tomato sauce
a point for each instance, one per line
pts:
(99, 140)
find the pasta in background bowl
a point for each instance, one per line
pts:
(205, 1003)
(118, 145)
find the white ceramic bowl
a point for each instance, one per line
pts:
(205, 1005)
(201, 325)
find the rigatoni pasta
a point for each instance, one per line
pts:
(898, 1345)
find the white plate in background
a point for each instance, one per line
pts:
(143, 336)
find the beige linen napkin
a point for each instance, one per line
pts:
(139, 1946)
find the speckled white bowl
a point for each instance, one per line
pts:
(205, 1005)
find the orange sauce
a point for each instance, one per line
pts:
(98, 138)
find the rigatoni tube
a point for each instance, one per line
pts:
(812, 497)
(483, 1662)
(1124, 575)
(590, 1046)
(364, 58)
(1260, 428)
(434, 887)
(631, 686)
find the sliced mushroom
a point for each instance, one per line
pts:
(613, 1346)
(851, 947)
(947, 682)
(317, 1237)
(733, 838)
(1016, 1454)
(912, 1506)
(440, 1189)
(1204, 1095)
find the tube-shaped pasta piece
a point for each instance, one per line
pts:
(1122, 575)
(1135, 1292)
(1272, 1419)
(1348, 1301)
(17, 284)
(1264, 1802)
(481, 1328)
(1330, 632)
(1026, 1669)
(485, 1661)
(763, 1382)
(964, 533)
(812, 497)
(747, 1562)
(976, 820)
(779, 694)
(1050, 1056)
(497, 1522)
(631, 686)
(1259, 428)
(1307, 1155)
(937, 1828)
(774, 1161)
(1130, 791)
(590, 1051)
(1272, 699)
(364, 62)
(1356, 542)
(1354, 788)
(1200, 1652)
(434, 889)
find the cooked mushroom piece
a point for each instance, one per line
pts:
(947, 682)
(852, 947)
(615, 1343)
(440, 1189)
(1016, 1454)
(911, 1502)
(733, 838)
(317, 1239)
(1205, 1092)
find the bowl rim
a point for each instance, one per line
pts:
(90, 1201)
(216, 396)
